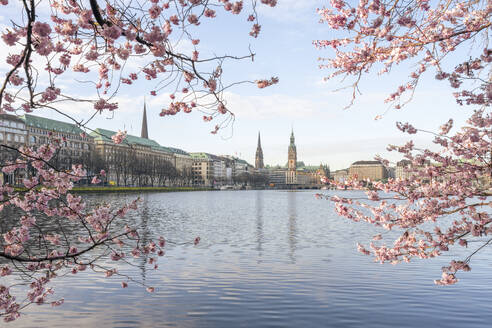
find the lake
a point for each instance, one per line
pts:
(266, 259)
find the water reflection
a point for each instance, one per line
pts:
(144, 233)
(292, 231)
(259, 223)
(264, 264)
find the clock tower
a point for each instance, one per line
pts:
(292, 163)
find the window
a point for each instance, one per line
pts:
(1, 136)
(21, 138)
(9, 137)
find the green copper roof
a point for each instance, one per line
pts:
(105, 135)
(51, 125)
(178, 151)
(200, 156)
(161, 148)
(242, 161)
(205, 156)
(11, 118)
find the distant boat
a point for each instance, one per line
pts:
(227, 188)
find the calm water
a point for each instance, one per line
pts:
(266, 259)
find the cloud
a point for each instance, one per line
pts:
(259, 107)
(289, 10)
(272, 106)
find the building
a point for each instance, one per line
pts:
(341, 175)
(311, 174)
(210, 170)
(391, 172)
(238, 170)
(141, 161)
(219, 169)
(135, 161)
(12, 130)
(277, 177)
(402, 170)
(259, 155)
(291, 174)
(241, 167)
(238, 166)
(202, 169)
(230, 168)
(183, 161)
(307, 179)
(13, 133)
(372, 170)
(76, 146)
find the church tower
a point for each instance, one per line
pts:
(259, 155)
(144, 134)
(292, 164)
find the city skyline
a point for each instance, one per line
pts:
(146, 133)
(326, 132)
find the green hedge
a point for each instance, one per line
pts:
(136, 189)
(129, 189)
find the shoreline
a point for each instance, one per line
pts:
(100, 189)
(135, 189)
(105, 189)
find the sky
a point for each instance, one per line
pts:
(325, 132)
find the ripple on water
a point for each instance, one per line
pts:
(266, 259)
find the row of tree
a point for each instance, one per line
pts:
(122, 169)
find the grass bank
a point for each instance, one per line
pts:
(90, 189)
(135, 189)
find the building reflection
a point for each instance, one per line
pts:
(292, 229)
(144, 234)
(259, 222)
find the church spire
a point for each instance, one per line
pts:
(292, 155)
(259, 155)
(145, 133)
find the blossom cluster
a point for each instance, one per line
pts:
(444, 200)
(389, 33)
(85, 235)
(89, 43)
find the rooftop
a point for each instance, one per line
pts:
(241, 161)
(404, 162)
(178, 151)
(51, 125)
(161, 148)
(105, 135)
(11, 117)
(367, 163)
(203, 156)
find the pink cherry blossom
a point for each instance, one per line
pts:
(443, 199)
(105, 48)
(155, 11)
(41, 29)
(119, 137)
